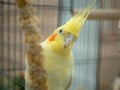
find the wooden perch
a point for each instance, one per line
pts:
(102, 14)
(35, 74)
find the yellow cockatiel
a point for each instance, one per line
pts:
(55, 71)
(59, 61)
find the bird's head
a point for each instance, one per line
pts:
(64, 36)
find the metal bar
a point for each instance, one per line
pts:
(12, 69)
(71, 6)
(3, 2)
(8, 45)
(14, 43)
(99, 58)
(98, 85)
(2, 58)
(59, 12)
(42, 6)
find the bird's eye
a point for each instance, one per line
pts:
(60, 31)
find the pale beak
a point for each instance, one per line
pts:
(69, 38)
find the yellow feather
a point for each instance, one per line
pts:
(59, 61)
(75, 24)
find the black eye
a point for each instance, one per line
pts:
(60, 31)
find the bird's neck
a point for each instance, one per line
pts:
(58, 49)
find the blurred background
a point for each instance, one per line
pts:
(96, 52)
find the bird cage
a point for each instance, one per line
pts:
(96, 52)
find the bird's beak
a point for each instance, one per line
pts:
(69, 38)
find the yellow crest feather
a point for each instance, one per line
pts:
(76, 22)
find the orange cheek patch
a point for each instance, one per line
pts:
(52, 37)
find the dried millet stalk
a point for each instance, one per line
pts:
(35, 74)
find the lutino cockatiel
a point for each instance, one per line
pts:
(59, 60)
(55, 71)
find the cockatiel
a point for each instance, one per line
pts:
(55, 71)
(59, 61)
